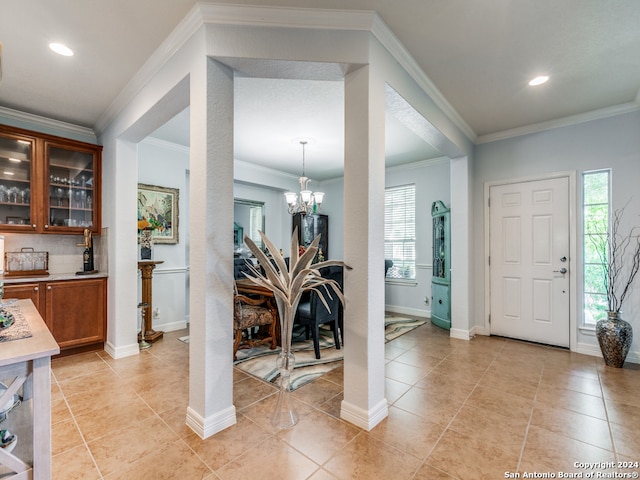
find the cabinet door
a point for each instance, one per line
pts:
(18, 204)
(72, 182)
(29, 291)
(76, 311)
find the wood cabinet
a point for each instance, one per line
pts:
(309, 227)
(48, 184)
(441, 279)
(74, 310)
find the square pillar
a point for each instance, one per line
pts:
(364, 401)
(211, 261)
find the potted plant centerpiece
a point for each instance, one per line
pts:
(288, 282)
(620, 256)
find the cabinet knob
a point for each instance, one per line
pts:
(35, 289)
(48, 287)
(34, 226)
(46, 225)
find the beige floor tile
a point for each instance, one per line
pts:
(504, 431)
(623, 413)
(433, 406)
(445, 385)
(427, 472)
(166, 395)
(122, 411)
(556, 452)
(171, 462)
(569, 381)
(627, 440)
(470, 458)
(59, 410)
(106, 380)
(408, 432)
(262, 411)
(394, 389)
(497, 400)
(419, 358)
(322, 474)
(332, 406)
(77, 365)
(251, 390)
(128, 443)
(556, 397)
(404, 373)
(584, 428)
(227, 445)
(92, 400)
(74, 464)
(318, 435)
(273, 459)
(66, 437)
(176, 419)
(367, 458)
(317, 392)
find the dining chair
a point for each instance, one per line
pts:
(312, 312)
(250, 316)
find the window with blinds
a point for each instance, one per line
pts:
(400, 231)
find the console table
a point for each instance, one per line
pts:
(28, 362)
(147, 267)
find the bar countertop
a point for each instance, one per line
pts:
(40, 344)
(54, 277)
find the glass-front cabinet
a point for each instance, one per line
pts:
(70, 179)
(17, 205)
(48, 184)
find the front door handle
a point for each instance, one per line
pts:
(562, 270)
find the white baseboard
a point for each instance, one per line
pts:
(169, 326)
(205, 427)
(366, 420)
(416, 312)
(594, 351)
(478, 330)
(122, 352)
(461, 334)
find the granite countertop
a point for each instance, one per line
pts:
(53, 277)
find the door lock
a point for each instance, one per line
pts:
(562, 270)
(563, 259)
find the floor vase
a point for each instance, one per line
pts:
(285, 415)
(614, 336)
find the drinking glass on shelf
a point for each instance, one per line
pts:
(59, 195)
(13, 194)
(3, 193)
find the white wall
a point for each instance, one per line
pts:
(166, 165)
(432, 183)
(607, 143)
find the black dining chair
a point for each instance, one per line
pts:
(312, 312)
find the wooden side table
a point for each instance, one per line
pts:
(147, 267)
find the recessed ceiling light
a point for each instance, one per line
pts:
(61, 49)
(8, 173)
(538, 80)
(15, 160)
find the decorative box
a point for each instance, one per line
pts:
(26, 262)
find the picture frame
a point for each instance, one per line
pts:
(159, 207)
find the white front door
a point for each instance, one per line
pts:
(529, 260)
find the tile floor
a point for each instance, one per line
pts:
(480, 409)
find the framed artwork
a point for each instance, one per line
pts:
(158, 212)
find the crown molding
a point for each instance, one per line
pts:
(397, 50)
(560, 122)
(176, 39)
(48, 123)
(310, 18)
(156, 142)
(419, 164)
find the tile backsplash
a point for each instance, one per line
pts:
(64, 255)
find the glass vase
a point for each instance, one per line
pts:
(285, 415)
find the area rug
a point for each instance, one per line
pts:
(261, 362)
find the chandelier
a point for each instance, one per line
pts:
(307, 201)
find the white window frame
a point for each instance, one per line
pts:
(400, 242)
(586, 316)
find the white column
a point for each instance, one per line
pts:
(211, 259)
(461, 241)
(364, 401)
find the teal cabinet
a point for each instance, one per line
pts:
(441, 279)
